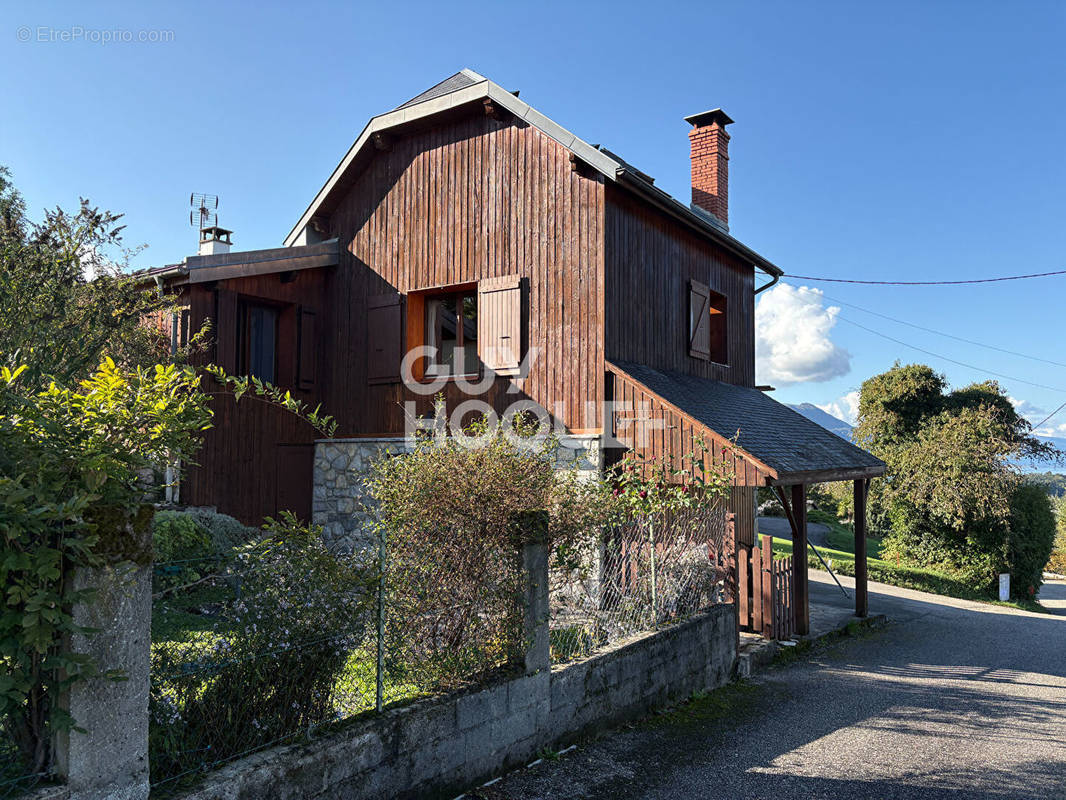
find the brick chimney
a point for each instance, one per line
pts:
(710, 162)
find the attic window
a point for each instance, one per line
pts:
(707, 331)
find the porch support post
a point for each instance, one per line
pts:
(861, 606)
(799, 559)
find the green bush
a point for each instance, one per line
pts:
(177, 537)
(1031, 538)
(270, 666)
(71, 492)
(1057, 562)
(184, 554)
(975, 554)
(225, 531)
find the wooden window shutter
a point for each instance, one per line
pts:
(699, 320)
(384, 338)
(499, 324)
(226, 321)
(307, 350)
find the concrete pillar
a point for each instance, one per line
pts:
(535, 578)
(109, 759)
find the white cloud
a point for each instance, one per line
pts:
(845, 407)
(792, 337)
(1028, 410)
(1035, 414)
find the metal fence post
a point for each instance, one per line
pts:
(654, 576)
(535, 599)
(379, 702)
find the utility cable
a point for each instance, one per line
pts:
(952, 360)
(930, 283)
(942, 333)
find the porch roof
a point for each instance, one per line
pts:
(795, 449)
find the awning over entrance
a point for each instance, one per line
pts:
(767, 443)
(785, 447)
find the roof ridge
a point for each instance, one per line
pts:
(453, 83)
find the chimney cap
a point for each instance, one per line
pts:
(707, 117)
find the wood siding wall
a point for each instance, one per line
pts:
(462, 202)
(670, 435)
(603, 276)
(649, 260)
(256, 459)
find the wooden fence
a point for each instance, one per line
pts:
(765, 589)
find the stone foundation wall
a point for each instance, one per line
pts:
(340, 493)
(442, 747)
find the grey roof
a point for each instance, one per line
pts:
(773, 433)
(459, 80)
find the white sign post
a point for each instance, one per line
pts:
(1004, 586)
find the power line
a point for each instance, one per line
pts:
(930, 283)
(942, 333)
(1049, 416)
(952, 360)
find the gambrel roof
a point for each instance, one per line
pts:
(466, 89)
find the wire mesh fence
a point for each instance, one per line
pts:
(17, 776)
(254, 650)
(286, 640)
(656, 570)
(452, 616)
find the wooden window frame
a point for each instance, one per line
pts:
(244, 305)
(417, 334)
(714, 313)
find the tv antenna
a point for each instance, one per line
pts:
(204, 212)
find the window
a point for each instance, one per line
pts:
(707, 324)
(451, 328)
(471, 328)
(258, 346)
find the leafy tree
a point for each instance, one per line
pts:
(66, 299)
(1032, 538)
(71, 461)
(1053, 482)
(947, 497)
(86, 412)
(1057, 562)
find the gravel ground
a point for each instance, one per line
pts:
(953, 699)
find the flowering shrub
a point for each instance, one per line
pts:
(645, 485)
(268, 667)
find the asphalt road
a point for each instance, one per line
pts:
(952, 699)
(780, 528)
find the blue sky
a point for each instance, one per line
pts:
(895, 141)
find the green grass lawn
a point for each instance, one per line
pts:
(841, 557)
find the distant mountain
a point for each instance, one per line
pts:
(827, 421)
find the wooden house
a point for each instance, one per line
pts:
(468, 222)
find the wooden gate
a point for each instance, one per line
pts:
(764, 586)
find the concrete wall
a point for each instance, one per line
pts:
(339, 493)
(452, 743)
